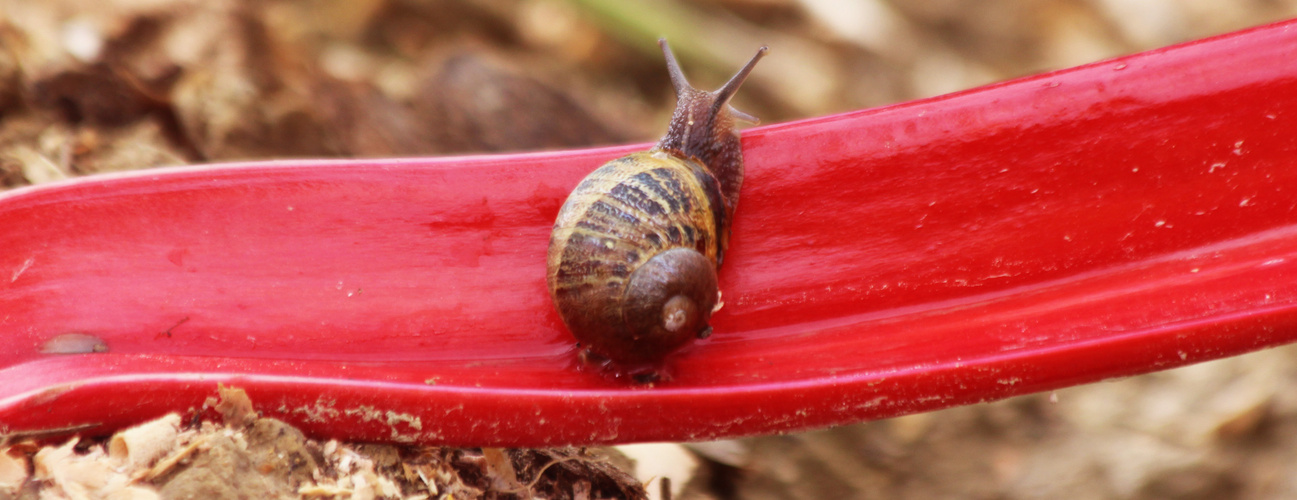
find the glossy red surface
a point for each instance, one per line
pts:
(1118, 218)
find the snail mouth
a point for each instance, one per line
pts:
(676, 313)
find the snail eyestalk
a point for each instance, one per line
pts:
(702, 126)
(726, 92)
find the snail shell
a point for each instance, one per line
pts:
(633, 256)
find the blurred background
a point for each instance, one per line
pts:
(98, 85)
(105, 85)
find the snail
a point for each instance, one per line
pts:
(635, 249)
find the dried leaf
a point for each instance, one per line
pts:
(142, 445)
(235, 406)
(13, 471)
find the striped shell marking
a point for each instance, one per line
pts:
(619, 218)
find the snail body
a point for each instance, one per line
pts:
(635, 249)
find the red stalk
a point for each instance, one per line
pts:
(1118, 218)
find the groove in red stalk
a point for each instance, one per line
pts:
(1118, 218)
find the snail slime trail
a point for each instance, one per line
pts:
(633, 256)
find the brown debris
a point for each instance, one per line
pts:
(169, 82)
(478, 105)
(66, 474)
(543, 473)
(94, 95)
(234, 405)
(143, 445)
(13, 472)
(257, 457)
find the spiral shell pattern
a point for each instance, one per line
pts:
(602, 273)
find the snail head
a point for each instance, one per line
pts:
(702, 126)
